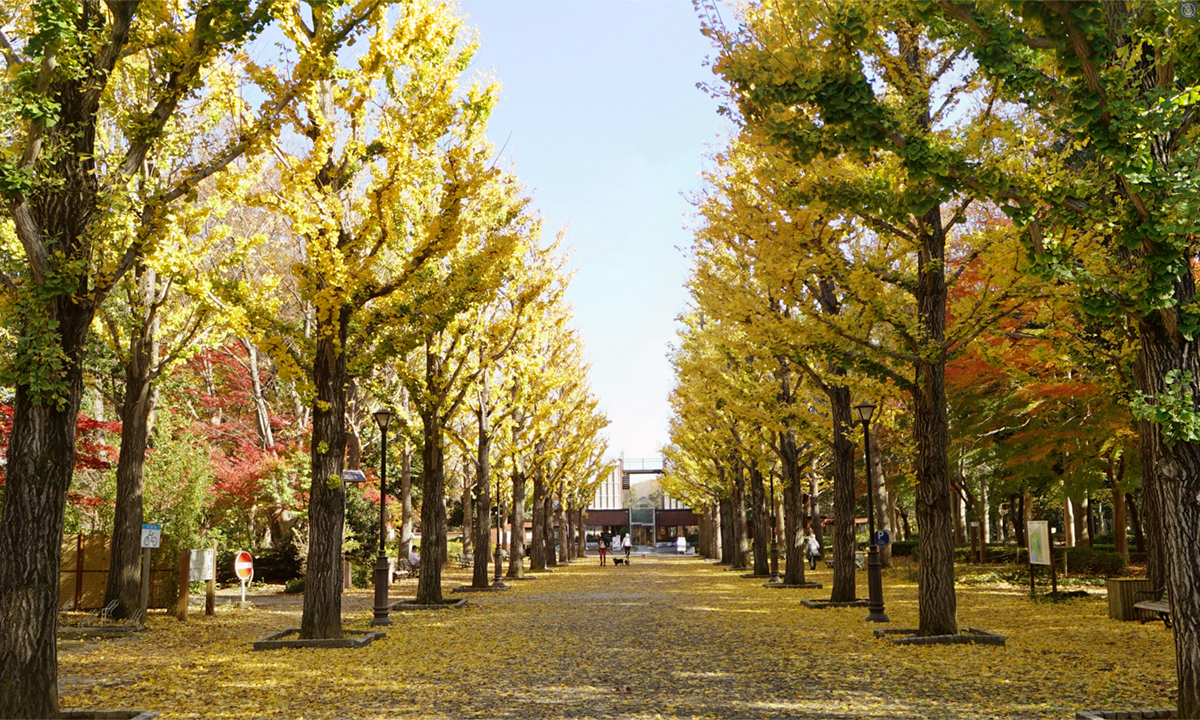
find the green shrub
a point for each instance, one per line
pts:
(361, 575)
(1082, 561)
(900, 548)
(294, 586)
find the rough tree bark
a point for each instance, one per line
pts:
(322, 616)
(741, 544)
(537, 540)
(483, 471)
(761, 520)
(125, 567)
(844, 579)
(726, 529)
(548, 528)
(516, 544)
(1135, 522)
(433, 510)
(793, 529)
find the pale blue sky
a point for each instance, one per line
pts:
(604, 123)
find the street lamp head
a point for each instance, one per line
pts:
(864, 410)
(383, 416)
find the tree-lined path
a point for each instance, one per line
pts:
(662, 638)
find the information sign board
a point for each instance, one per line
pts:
(1039, 542)
(202, 566)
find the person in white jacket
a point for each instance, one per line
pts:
(628, 545)
(681, 545)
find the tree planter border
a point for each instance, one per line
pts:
(973, 636)
(470, 589)
(756, 575)
(520, 579)
(794, 586)
(108, 714)
(736, 569)
(402, 605)
(1147, 713)
(275, 641)
(822, 604)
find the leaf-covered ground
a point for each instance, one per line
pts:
(662, 638)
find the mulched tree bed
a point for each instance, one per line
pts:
(402, 605)
(822, 604)
(973, 636)
(276, 641)
(801, 586)
(1147, 714)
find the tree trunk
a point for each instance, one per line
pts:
(844, 588)
(537, 543)
(1070, 527)
(1135, 522)
(883, 519)
(406, 534)
(985, 516)
(262, 411)
(468, 508)
(483, 473)
(793, 530)
(125, 566)
(727, 542)
(762, 524)
(936, 602)
(548, 528)
(716, 549)
(1171, 496)
(516, 544)
(433, 511)
(816, 522)
(1079, 516)
(741, 544)
(40, 462)
(564, 528)
(322, 616)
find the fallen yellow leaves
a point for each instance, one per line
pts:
(662, 638)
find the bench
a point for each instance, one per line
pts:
(1156, 602)
(466, 560)
(408, 569)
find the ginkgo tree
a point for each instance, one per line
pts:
(389, 157)
(83, 206)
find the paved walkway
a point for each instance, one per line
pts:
(665, 637)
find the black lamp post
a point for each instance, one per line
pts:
(775, 579)
(382, 418)
(874, 577)
(497, 578)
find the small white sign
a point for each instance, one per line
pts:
(201, 568)
(151, 536)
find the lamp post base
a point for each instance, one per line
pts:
(381, 591)
(498, 582)
(875, 611)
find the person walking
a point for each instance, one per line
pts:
(681, 545)
(628, 545)
(812, 548)
(603, 547)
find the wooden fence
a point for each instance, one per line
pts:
(84, 573)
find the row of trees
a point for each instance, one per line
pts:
(982, 217)
(239, 252)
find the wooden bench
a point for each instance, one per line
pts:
(1156, 602)
(466, 560)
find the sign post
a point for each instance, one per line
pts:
(210, 590)
(1038, 532)
(243, 565)
(151, 538)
